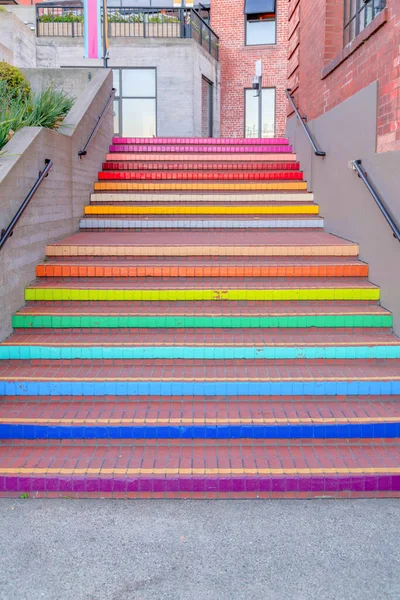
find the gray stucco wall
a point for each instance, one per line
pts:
(347, 133)
(18, 41)
(55, 210)
(180, 65)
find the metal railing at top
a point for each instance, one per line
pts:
(363, 175)
(302, 120)
(68, 21)
(8, 231)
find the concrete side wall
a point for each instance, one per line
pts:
(179, 63)
(18, 41)
(347, 133)
(55, 209)
(71, 81)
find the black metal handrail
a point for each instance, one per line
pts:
(363, 175)
(6, 233)
(83, 152)
(302, 120)
(66, 19)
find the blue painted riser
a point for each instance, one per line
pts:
(188, 388)
(360, 430)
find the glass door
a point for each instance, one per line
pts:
(135, 103)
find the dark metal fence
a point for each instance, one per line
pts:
(68, 21)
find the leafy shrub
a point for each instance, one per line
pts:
(44, 109)
(15, 81)
(64, 18)
(113, 17)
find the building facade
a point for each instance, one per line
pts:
(344, 75)
(252, 30)
(337, 48)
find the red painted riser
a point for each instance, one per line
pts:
(201, 141)
(199, 166)
(193, 176)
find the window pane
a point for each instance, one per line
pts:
(116, 81)
(260, 32)
(268, 113)
(116, 117)
(139, 83)
(138, 118)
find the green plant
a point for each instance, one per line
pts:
(44, 109)
(15, 81)
(48, 108)
(3, 9)
(24, 495)
(64, 18)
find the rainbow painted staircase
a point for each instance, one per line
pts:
(201, 336)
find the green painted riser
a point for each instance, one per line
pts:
(113, 322)
(51, 295)
(187, 352)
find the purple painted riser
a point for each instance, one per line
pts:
(369, 483)
(204, 149)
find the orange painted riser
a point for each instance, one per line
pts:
(99, 270)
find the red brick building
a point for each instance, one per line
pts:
(344, 73)
(335, 51)
(250, 30)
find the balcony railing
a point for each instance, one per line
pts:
(60, 20)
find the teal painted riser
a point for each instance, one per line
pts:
(188, 352)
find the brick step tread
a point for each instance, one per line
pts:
(215, 338)
(200, 141)
(216, 458)
(214, 308)
(262, 147)
(98, 200)
(213, 186)
(212, 156)
(78, 411)
(80, 419)
(195, 371)
(207, 283)
(210, 238)
(224, 283)
(173, 175)
(208, 261)
(164, 165)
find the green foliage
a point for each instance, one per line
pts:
(15, 81)
(113, 17)
(3, 9)
(45, 109)
(64, 18)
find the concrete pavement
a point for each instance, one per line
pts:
(199, 550)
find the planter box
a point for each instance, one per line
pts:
(61, 29)
(152, 30)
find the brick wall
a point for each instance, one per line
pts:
(327, 74)
(238, 63)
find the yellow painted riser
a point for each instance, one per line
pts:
(46, 294)
(201, 186)
(202, 210)
(58, 250)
